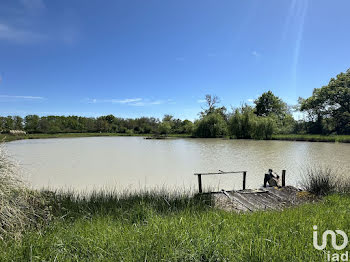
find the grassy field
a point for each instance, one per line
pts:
(174, 227)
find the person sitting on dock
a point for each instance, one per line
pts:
(271, 179)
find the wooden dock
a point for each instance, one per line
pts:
(258, 199)
(251, 200)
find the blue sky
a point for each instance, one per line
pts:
(148, 58)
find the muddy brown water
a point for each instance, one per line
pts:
(134, 163)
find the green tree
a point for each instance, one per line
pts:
(244, 123)
(268, 104)
(211, 106)
(329, 106)
(9, 123)
(164, 128)
(211, 125)
(187, 127)
(31, 123)
(18, 122)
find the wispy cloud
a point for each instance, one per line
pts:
(126, 101)
(19, 36)
(13, 98)
(250, 100)
(114, 101)
(201, 101)
(131, 101)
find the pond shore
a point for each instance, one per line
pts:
(289, 137)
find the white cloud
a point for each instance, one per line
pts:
(131, 101)
(250, 100)
(201, 101)
(19, 36)
(147, 102)
(126, 101)
(7, 97)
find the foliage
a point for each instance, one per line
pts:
(268, 104)
(211, 107)
(211, 125)
(243, 123)
(104, 124)
(329, 106)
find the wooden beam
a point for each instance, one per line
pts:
(219, 173)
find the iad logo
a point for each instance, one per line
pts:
(334, 256)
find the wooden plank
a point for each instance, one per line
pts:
(244, 205)
(242, 199)
(219, 173)
(283, 195)
(273, 203)
(258, 199)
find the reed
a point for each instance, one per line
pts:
(20, 207)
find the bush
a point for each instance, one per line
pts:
(323, 181)
(245, 124)
(211, 125)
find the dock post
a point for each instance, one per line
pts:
(199, 183)
(283, 178)
(244, 179)
(266, 178)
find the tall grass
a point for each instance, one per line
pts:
(127, 206)
(322, 181)
(184, 235)
(19, 206)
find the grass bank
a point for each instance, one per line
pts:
(291, 137)
(8, 138)
(313, 138)
(165, 227)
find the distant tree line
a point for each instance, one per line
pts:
(327, 110)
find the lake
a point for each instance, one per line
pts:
(136, 163)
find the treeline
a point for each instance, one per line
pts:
(327, 112)
(107, 124)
